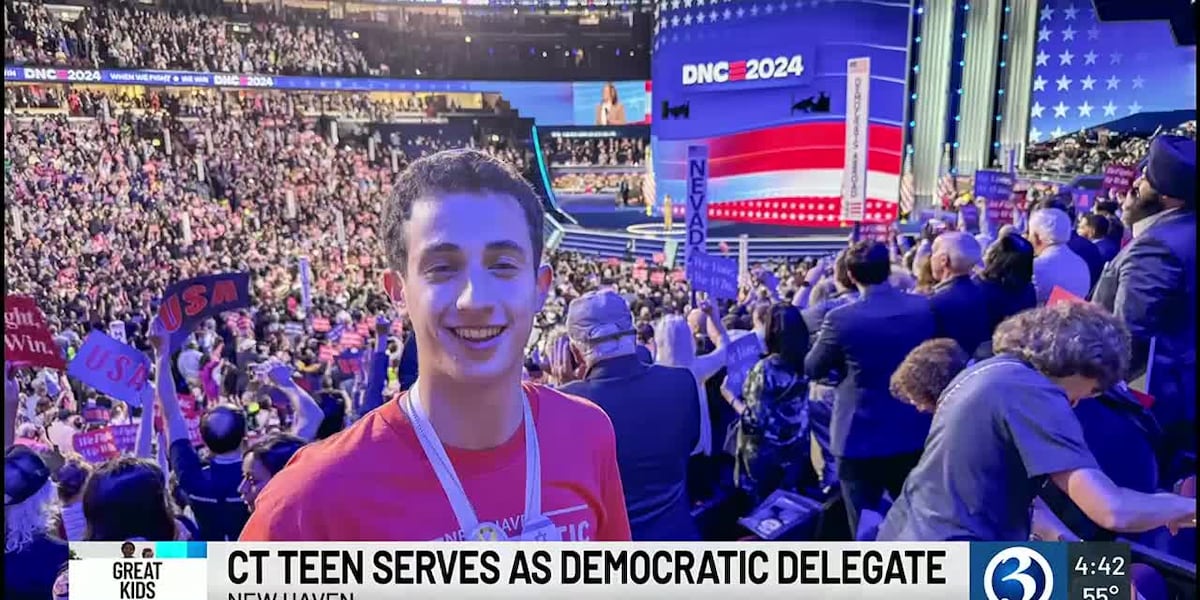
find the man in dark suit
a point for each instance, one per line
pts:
(1151, 284)
(655, 413)
(1095, 227)
(876, 438)
(956, 299)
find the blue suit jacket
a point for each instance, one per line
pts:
(959, 307)
(655, 413)
(867, 340)
(1151, 286)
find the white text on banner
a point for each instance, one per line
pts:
(373, 571)
(854, 173)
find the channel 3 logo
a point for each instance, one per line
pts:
(1018, 573)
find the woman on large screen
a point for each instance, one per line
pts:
(610, 111)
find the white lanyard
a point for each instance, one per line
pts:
(435, 452)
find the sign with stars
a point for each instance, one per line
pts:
(1087, 73)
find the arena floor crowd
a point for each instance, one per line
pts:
(938, 386)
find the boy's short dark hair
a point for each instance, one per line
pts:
(456, 171)
(1098, 223)
(868, 262)
(222, 428)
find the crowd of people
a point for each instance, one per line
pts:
(623, 186)
(608, 152)
(377, 108)
(1089, 152)
(197, 36)
(125, 35)
(1038, 383)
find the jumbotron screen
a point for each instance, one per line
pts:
(763, 85)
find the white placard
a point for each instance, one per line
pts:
(116, 330)
(289, 196)
(854, 175)
(185, 223)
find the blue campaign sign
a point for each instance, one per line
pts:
(968, 218)
(740, 357)
(993, 185)
(715, 275)
(112, 368)
(995, 189)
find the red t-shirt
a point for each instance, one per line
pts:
(372, 482)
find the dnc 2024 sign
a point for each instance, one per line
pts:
(751, 69)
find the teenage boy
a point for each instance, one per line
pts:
(470, 452)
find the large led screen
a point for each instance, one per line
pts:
(595, 169)
(547, 102)
(763, 85)
(1087, 73)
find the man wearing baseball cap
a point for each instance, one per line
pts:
(1151, 284)
(655, 412)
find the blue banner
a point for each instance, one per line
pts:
(112, 368)
(993, 185)
(968, 218)
(305, 284)
(993, 190)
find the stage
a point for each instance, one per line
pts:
(607, 216)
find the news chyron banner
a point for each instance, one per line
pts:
(764, 86)
(437, 570)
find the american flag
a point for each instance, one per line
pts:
(1089, 73)
(908, 196)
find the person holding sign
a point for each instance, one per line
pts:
(211, 489)
(773, 431)
(469, 452)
